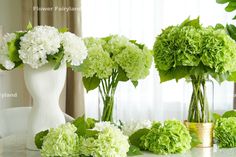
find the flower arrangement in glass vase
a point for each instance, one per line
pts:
(194, 52)
(45, 52)
(110, 60)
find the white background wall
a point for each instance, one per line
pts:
(143, 20)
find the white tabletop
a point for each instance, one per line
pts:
(14, 146)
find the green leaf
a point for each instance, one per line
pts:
(29, 26)
(228, 114)
(234, 18)
(231, 29)
(195, 22)
(219, 26)
(13, 47)
(107, 38)
(232, 77)
(222, 1)
(80, 124)
(133, 151)
(2, 67)
(216, 116)
(122, 75)
(63, 30)
(91, 133)
(174, 73)
(56, 59)
(91, 83)
(39, 138)
(135, 83)
(231, 6)
(195, 140)
(135, 138)
(141, 46)
(91, 123)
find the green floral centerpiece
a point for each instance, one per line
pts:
(83, 137)
(196, 53)
(110, 60)
(192, 51)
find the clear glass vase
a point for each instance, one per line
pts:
(107, 107)
(198, 99)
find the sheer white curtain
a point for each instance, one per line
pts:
(143, 20)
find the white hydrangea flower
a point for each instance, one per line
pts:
(74, 48)
(4, 59)
(130, 127)
(37, 44)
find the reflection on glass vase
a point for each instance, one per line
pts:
(107, 106)
(199, 97)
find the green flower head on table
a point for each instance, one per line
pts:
(61, 141)
(225, 132)
(170, 138)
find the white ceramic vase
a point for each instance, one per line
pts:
(45, 86)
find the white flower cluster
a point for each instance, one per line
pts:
(75, 50)
(37, 44)
(130, 127)
(4, 58)
(41, 41)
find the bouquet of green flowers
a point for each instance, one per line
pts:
(83, 137)
(194, 52)
(110, 60)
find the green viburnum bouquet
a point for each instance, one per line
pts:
(168, 138)
(194, 52)
(110, 60)
(83, 137)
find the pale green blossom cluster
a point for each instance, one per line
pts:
(110, 142)
(106, 55)
(64, 141)
(61, 141)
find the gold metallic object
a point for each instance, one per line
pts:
(204, 132)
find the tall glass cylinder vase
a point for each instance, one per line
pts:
(199, 100)
(107, 102)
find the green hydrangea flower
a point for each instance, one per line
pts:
(98, 63)
(134, 61)
(170, 138)
(107, 54)
(164, 48)
(225, 132)
(190, 49)
(61, 141)
(110, 142)
(218, 50)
